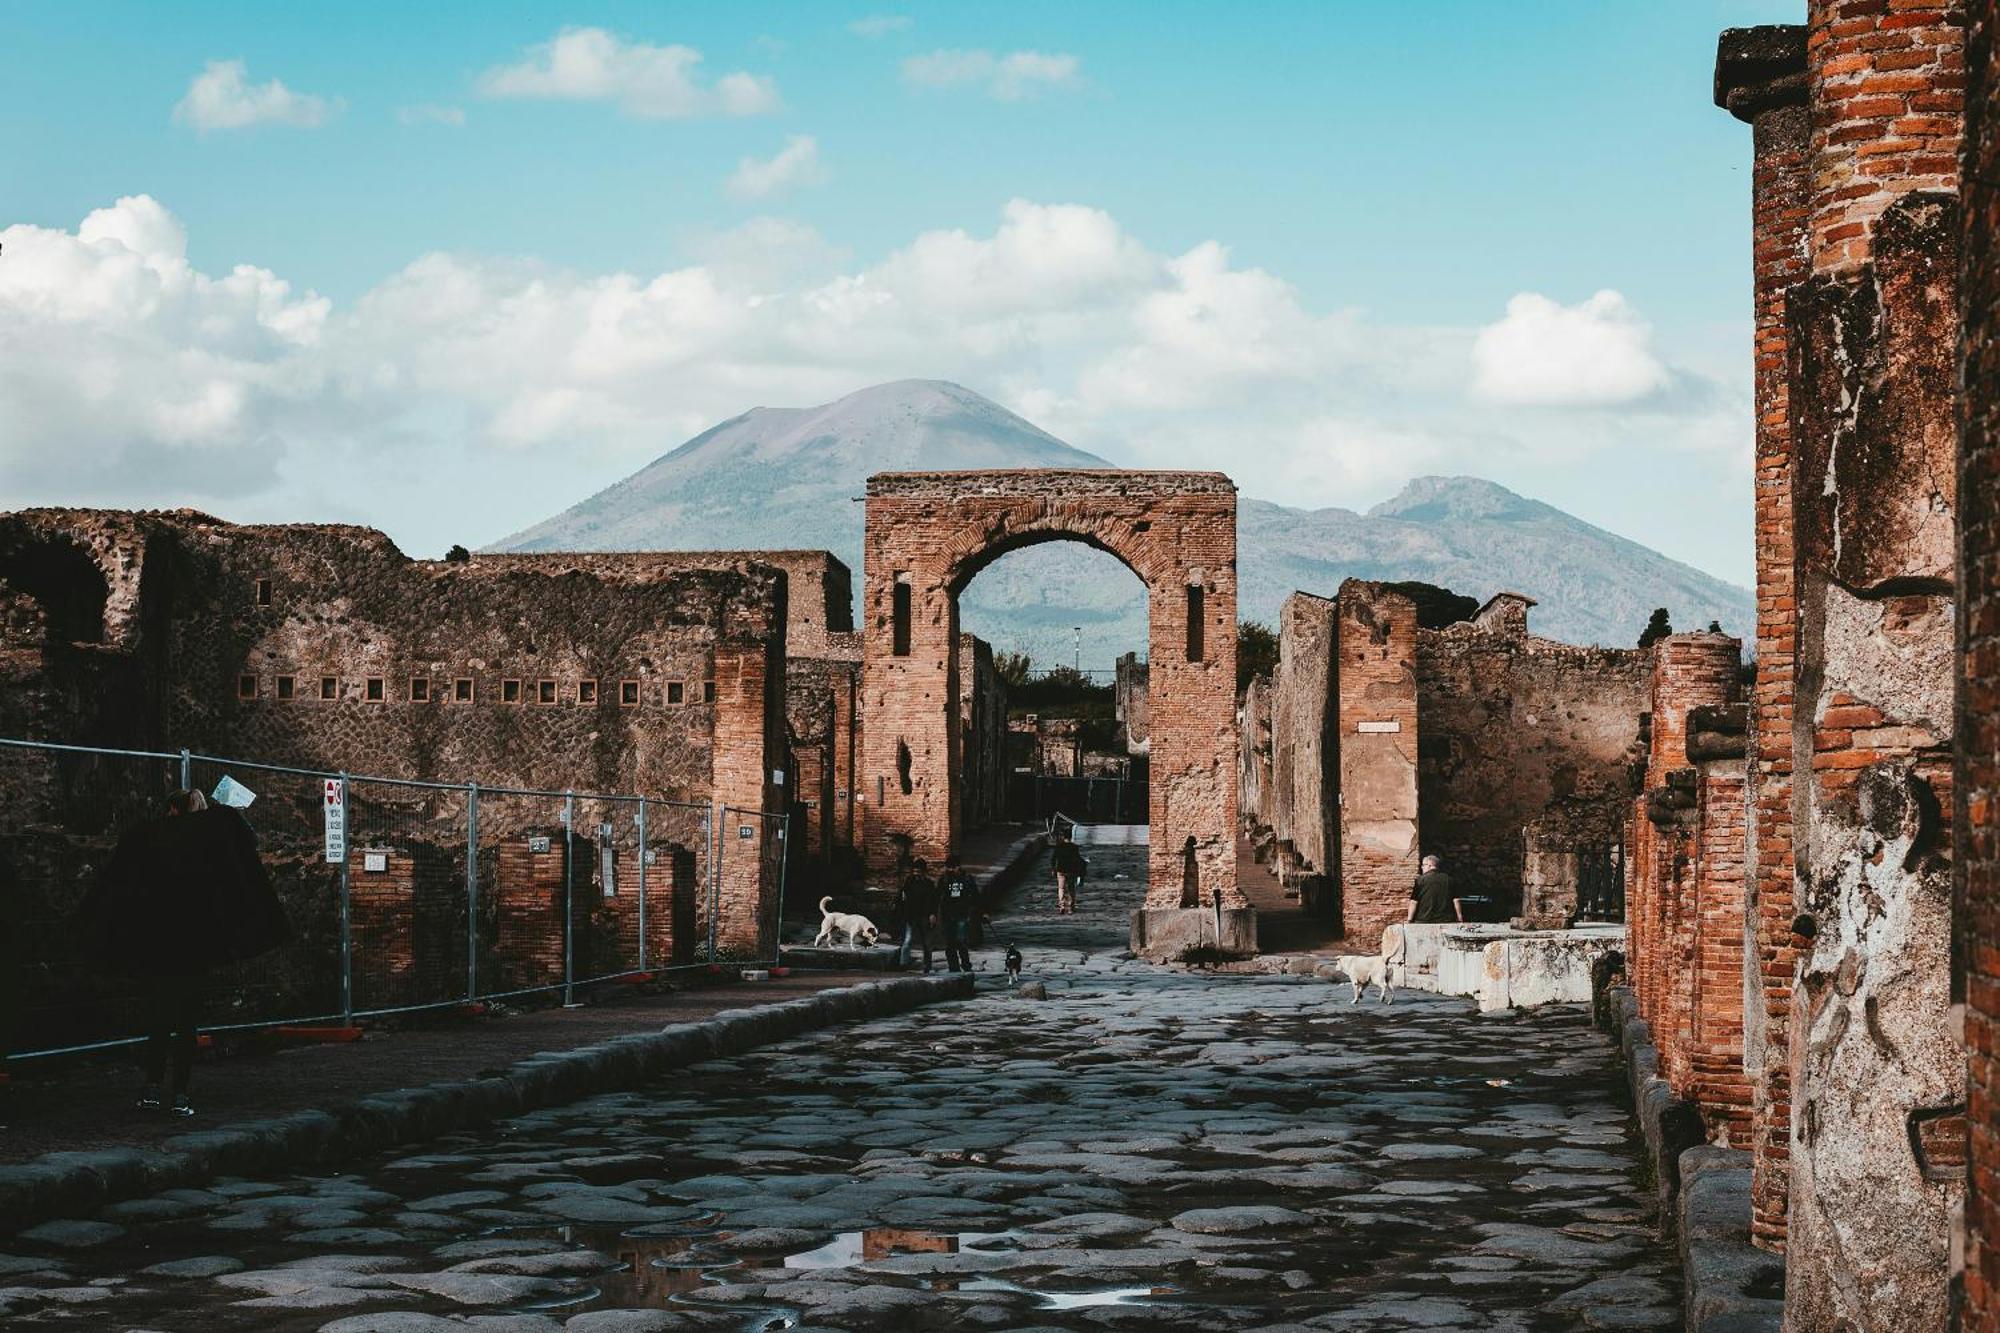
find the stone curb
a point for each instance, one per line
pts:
(69, 1184)
(1704, 1192)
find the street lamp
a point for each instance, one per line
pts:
(1078, 631)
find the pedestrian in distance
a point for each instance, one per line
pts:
(1431, 899)
(958, 904)
(1070, 868)
(916, 905)
(182, 894)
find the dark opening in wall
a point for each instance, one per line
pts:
(900, 620)
(420, 689)
(1195, 644)
(708, 691)
(461, 689)
(628, 694)
(246, 687)
(376, 690)
(676, 692)
(263, 592)
(903, 766)
(586, 691)
(62, 577)
(545, 691)
(287, 687)
(329, 687)
(510, 691)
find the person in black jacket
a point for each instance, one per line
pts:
(916, 905)
(181, 895)
(958, 904)
(1069, 867)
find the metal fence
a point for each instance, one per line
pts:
(443, 895)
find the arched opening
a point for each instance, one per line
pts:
(1046, 734)
(63, 580)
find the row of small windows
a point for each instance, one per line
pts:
(465, 690)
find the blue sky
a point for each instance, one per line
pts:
(1376, 183)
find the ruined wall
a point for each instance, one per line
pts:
(1760, 79)
(1254, 776)
(982, 713)
(1516, 728)
(928, 534)
(1871, 336)
(1304, 754)
(1131, 704)
(1375, 752)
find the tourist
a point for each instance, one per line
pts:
(1070, 867)
(957, 905)
(1431, 899)
(916, 905)
(182, 894)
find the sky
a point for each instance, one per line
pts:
(446, 269)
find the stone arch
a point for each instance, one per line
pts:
(63, 580)
(929, 534)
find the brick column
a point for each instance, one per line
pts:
(1375, 736)
(750, 744)
(1871, 339)
(1977, 814)
(1760, 78)
(1717, 1081)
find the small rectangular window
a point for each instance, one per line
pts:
(263, 592)
(510, 691)
(628, 694)
(586, 691)
(329, 687)
(545, 691)
(899, 628)
(708, 691)
(1194, 625)
(420, 689)
(246, 687)
(376, 691)
(676, 692)
(287, 687)
(461, 690)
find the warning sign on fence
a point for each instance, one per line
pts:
(336, 821)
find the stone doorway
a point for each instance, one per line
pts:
(930, 533)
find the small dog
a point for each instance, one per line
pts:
(860, 931)
(1013, 965)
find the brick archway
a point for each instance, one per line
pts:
(930, 533)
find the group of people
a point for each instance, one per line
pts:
(949, 904)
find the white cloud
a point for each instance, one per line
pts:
(879, 25)
(431, 114)
(222, 98)
(1596, 354)
(1006, 78)
(796, 164)
(476, 394)
(651, 82)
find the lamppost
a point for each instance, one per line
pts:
(1078, 631)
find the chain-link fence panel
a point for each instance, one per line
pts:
(752, 858)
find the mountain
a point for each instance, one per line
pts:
(788, 477)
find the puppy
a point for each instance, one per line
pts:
(1013, 965)
(860, 931)
(1366, 970)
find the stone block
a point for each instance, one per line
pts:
(1167, 934)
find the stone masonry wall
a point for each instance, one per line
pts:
(928, 534)
(1375, 751)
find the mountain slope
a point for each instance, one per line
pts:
(786, 477)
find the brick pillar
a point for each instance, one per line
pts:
(750, 744)
(1375, 732)
(1760, 78)
(1717, 1080)
(1977, 787)
(382, 910)
(1871, 338)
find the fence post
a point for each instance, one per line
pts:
(187, 771)
(471, 893)
(716, 844)
(643, 854)
(569, 899)
(784, 865)
(346, 911)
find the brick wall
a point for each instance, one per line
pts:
(931, 533)
(1760, 78)
(1375, 750)
(1977, 785)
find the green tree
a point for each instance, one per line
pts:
(1012, 668)
(1659, 627)
(1256, 652)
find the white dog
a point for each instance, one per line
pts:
(1377, 970)
(860, 931)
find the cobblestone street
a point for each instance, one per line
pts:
(1141, 1149)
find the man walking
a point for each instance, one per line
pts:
(1431, 898)
(1069, 868)
(916, 904)
(957, 904)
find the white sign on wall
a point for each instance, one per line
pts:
(1378, 726)
(335, 807)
